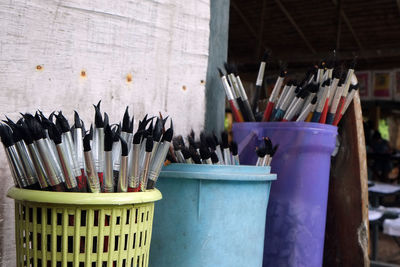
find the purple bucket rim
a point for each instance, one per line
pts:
(292, 125)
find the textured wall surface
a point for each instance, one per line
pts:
(68, 54)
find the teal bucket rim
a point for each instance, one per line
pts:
(245, 173)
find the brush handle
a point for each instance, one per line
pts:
(268, 111)
(279, 115)
(322, 119)
(255, 99)
(336, 122)
(329, 118)
(339, 111)
(316, 116)
(235, 112)
(239, 102)
(247, 111)
(309, 117)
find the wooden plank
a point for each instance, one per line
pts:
(346, 239)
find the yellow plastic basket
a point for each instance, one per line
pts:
(83, 229)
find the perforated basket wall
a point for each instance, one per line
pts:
(83, 235)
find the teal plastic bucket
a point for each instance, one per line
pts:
(210, 215)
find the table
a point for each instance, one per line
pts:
(381, 189)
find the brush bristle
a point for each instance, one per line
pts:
(211, 142)
(314, 100)
(261, 152)
(77, 120)
(62, 122)
(126, 121)
(6, 135)
(214, 158)
(168, 135)
(117, 133)
(186, 153)
(124, 147)
(205, 152)
(98, 120)
(234, 148)
(108, 138)
(195, 157)
(106, 120)
(149, 144)
(224, 137)
(55, 134)
(157, 131)
(266, 55)
(86, 143)
(274, 150)
(221, 74)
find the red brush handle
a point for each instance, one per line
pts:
(284, 120)
(268, 111)
(237, 116)
(339, 111)
(100, 174)
(81, 180)
(322, 119)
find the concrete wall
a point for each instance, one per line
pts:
(68, 54)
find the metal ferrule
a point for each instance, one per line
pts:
(145, 171)
(99, 151)
(293, 102)
(54, 158)
(235, 160)
(130, 141)
(142, 154)
(158, 161)
(154, 151)
(219, 154)
(179, 156)
(49, 163)
(206, 161)
(91, 173)
(307, 101)
(288, 98)
(108, 172)
(30, 172)
(70, 150)
(269, 161)
(259, 161)
(282, 96)
(260, 75)
(227, 156)
(78, 142)
(228, 90)
(265, 160)
(276, 90)
(235, 85)
(242, 91)
(189, 161)
(123, 175)
(322, 99)
(38, 164)
(289, 116)
(116, 151)
(67, 166)
(13, 174)
(16, 166)
(134, 172)
(303, 115)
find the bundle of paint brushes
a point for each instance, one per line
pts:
(47, 155)
(209, 150)
(323, 96)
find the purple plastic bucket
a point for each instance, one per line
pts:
(295, 225)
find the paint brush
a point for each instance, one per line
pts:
(186, 155)
(235, 89)
(246, 104)
(123, 170)
(98, 143)
(205, 155)
(287, 100)
(218, 148)
(231, 98)
(65, 159)
(225, 148)
(235, 156)
(274, 95)
(335, 102)
(259, 81)
(108, 182)
(215, 159)
(261, 152)
(322, 101)
(159, 158)
(116, 151)
(285, 91)
(146, 167)
(78, 145)
(134, 171)
(177, 143)
(91, 172)
(352, 91)
(272, 155)
(297, 105)
(14, 160)
(268, 150)
(195, 157)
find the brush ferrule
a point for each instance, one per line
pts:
(265, 160)
(29, 168)
(123, 175)
(235, 86)
(206, 161)
(145, 171)
(269, 161)
(336, 99)
(259, 161)
(66, 165)
(134, 172)
(276, 90)
(242, 91)
(179, 156)
(290, 114)
(235, 159)
(154, 151)
(228, 90)
(71, 149)
(50, 163)
(108, 173)
(347, 82)
(227, 156)
(54, 157)
(219, 154)
(17, 169)
(98, 149)
(282, 96)
(332, 90)
(303, 115)
(78, 142)
(288, 98)
(189, 161)
(260, 75)
(116, 151)
(158, 161)
(91, 172)
(38, 164)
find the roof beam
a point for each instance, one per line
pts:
(299, 31)
(247, 23)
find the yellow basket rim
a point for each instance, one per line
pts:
(71, 198)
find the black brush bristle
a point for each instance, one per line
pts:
(191, 141)
(117, 133)
(195, 157)
(221, 74)
(137, 137)
(215, 139)
(106, 120)
(6, 135)
(314, 100)
(203, 139)
(214, 158)
(18, 132)
(157, 131)
(234, 149)
(55, 134)
(261, 152)
(266, 55)
(131, 125)
(224, 137)
(211, 142)
(77, 120)
(168, 135)
(98, 119)
(176, 144)
(186, 153)
(205, 153)
(268, 145)
(35, 128)
(26, 134)
(149, 144)
(126, 121)
(86, 143)
(91, 131)
(124, 147)
(108, 138)
(62, 122)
